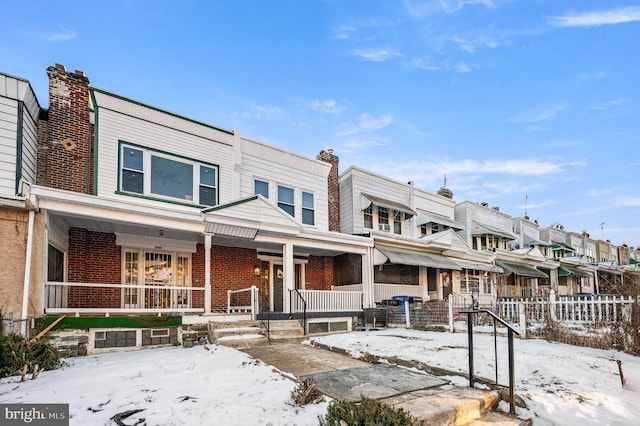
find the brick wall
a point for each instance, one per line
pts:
(94, 257)
(333, 188)
(319, 274)
(231, 269)
(66, 151)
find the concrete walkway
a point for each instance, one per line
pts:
(430, 399)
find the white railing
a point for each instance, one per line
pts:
(65, 297)
(387, 291)
(607, 309)
(328, 301)
(243, 301)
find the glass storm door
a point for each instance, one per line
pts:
(278, 288)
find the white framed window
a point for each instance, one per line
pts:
(368, 217)
(383, 219)
(398, 217)
(152, 173)
(308, 209)
(286, 200)
(261, 187)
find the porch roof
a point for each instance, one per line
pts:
(520, 269)
(481, 229)
(565, 271)
(466, 264)
(368, 200)
(425, 217)
(413, 258)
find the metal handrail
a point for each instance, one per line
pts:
(510, 331)
(304, 308)
(265, 302)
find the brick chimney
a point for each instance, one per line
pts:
(65, 152)
(333, 188)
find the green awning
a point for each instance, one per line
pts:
(520, 269)
(413, 258)
(561, 247)
(565, 271)
(632, 261)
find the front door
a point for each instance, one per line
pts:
(278, 288)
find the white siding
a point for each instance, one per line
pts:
(13, 91)
(468, 212)
(8, 134)
(347, 212)
(279, 167)
(114, 126)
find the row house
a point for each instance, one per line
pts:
(525, 270)
(134, 210)
(417, 251)
(19, 116)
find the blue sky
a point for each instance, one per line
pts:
(525, 104)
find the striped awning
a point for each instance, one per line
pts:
(368, 200)
(398, 256)
(466, 264)
(565, 271)
(520, 269)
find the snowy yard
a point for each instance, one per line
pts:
(562, 385)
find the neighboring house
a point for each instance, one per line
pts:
(417, 251)
(143, 211)
(556, 236)
(20, 250)
(488, 229)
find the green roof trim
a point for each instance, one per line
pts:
(234, 203)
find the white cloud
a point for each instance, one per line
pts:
(261, 112)
(343, 32)
(367, 123)
(326, 106)
(470, 45)
(599, 75)
(462, 68)
(376, 55)
(61, 34)
(599, 192)
(593, 19)
(423, 65)
(609, 104)
(451, 6)
(536, 116)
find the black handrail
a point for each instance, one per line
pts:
(304, 308)
(265, 304)
(510, 331)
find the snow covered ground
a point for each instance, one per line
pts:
(562, 384)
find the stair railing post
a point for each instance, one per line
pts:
(470, 339)
(512, 374)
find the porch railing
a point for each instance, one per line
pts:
(328, 301)
(243, 301)
(386, 291)
(66, 297)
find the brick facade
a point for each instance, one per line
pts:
(94, 257)
(319, 273)
(65, 152)
(333, 187)
(231, 269)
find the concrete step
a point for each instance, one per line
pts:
(497, 418)
(243, 341)
(285, 331)
(219, 333)
(446, 405)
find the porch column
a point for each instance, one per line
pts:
(368, 286)
(207, 273)
(289, 272)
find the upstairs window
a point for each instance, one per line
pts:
(368, 217)
(383, 218)
(308, 210)
(398, 217)
(150, 173)
(261, 187)
(286, 200)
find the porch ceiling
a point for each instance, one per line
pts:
(66, 221)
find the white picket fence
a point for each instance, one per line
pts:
(596, 310)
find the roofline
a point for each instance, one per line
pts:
(164, 111)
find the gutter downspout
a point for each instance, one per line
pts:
(27, 266)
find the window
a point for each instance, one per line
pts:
(368, 217)
(150, 173)
(383, 218)
(208, 186)
(261, 187)
(286, 200)
(132, 170)
(397, 222)
(308, 210)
